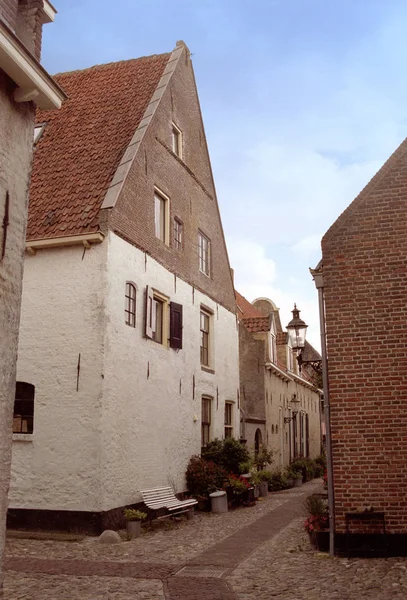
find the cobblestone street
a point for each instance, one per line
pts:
(253, 553)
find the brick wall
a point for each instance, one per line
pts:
(252, 354)
(365, 279)
(189, 185)
(8, 12)
(29, 23)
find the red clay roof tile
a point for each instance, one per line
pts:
(245, 308)
(82, 144)
(256, 324)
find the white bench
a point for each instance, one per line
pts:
(164, 498)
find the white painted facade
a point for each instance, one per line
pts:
(135, 419)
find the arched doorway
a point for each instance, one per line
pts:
(258, 440)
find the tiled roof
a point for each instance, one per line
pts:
(309, 354)
(83, 142)
(256, 324)
(245, 308)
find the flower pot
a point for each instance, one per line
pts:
(298, 482)
(264, 489)
(133, 529)
(256, 491)
(322, 540)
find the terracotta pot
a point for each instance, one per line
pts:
(133, 529)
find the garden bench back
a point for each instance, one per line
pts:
(165, 498)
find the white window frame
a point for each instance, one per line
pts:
(178, 233)
(162, 227)
(204, 253)
(208, 424)
(229, 425)
(177, 141)
(154, 296)
(209, 315)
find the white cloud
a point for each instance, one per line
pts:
(255, 277)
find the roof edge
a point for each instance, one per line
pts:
(116, 184)
(370, 187)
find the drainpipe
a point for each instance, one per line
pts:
(319, 284)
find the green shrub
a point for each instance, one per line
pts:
(320, 465)
(316, 506)
(228, 454)
(263, 458)
(131, 514)
(204, 477)
(276, 480)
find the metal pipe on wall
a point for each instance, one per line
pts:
(319, 284)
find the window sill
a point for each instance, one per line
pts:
(207, 370)
(23, 437)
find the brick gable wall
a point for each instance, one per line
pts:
(8, 12)
(189, 185)
(365, 279)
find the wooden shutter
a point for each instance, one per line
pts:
(149, 313)
(175, 325)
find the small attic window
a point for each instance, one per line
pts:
(38, 129)
(176, 140)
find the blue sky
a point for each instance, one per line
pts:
(302, 100)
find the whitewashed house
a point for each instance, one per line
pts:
(128, 357)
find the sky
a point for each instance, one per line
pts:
(302, 101)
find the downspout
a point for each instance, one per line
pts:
(319, 284)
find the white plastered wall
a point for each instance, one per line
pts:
(57, 468)
(151, 420)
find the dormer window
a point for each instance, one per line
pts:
(38, 131)
(176, 140)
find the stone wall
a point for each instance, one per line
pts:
(16, 131)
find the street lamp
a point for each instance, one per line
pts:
(297, 330)
(294, 404)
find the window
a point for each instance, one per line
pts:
(161, 217)
(206, 421)
(175, 325)
(290, 364)
(205, 337)
(156, 316)
(228, 419)
(273, 348)
(130, 305)
(178, 234)
(23, 417)
(204, 246)
(38, 131)
(176, 141)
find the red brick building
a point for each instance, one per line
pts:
(365, 281)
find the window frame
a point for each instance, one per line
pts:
(204, 255)
(205, 335)
(206, 425)
(26, 389)
(178, 234)
(130, 305)
(228, 423)
(153, 297)
(164, 218)
(176, 140)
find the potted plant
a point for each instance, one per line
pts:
(296, 476)
(133, 522)
(317, 522)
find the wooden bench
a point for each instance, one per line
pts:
(164, 498)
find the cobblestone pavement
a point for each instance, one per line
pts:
(257, 553)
